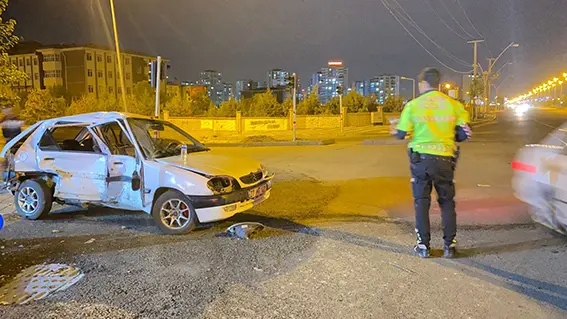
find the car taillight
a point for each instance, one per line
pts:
(519, 166)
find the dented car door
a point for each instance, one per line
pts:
(79, 166)
(123, 183)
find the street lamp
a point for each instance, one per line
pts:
(447, 86)
(511, 45)
(412, 84)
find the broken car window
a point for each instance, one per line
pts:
(159, 139)
(68, 138)
(116, 140)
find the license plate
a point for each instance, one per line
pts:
(257, 192)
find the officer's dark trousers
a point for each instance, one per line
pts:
(430, 171)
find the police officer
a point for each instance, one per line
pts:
(436, 123)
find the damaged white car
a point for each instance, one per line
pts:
(129, 162)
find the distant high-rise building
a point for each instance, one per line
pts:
(383, 87)
(361, 88)
(228, 90)
(215, 87)
(277, 77)
(332, 76)
(242, 85)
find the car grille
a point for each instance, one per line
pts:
(252, 177)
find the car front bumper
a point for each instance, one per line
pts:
(219, 207)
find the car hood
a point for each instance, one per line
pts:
(212, 164)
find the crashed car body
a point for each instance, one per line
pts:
(540, 179)
(129, 162)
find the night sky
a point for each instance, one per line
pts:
(246, 38)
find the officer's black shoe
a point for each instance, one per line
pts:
(422, 251)
(450, 251)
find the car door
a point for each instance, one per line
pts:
(81, 169)
(123, 187)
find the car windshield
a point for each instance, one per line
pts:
(159, 139)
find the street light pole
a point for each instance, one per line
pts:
(413, 84)
(118, 56)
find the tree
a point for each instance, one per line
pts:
(178, 106)
(311, 105)
(393, 104)
(143, 99)
(41, 105)
(476, 88)
(266, 104)
(333, 106)
(354, 102)
(228, 108)
(9, 73)
(200, 104)
(287, 107)
(370, 103)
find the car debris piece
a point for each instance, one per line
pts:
(483, 185)
(90, 241)
(37, 282)
(56, 231)
(245, 230)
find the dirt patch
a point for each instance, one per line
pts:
(259, 139)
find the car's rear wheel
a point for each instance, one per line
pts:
(33, 199)
(174, 213)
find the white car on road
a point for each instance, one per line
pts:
(540, 179)
(129, 162)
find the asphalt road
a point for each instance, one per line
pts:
(339, 245)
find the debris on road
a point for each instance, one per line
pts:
(21, 246)
(123, 227)
(245, 230)
(258, 269)
(483, 185)
(56, 231)
(37, 282)
(90, 241)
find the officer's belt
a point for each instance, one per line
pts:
(436, 157)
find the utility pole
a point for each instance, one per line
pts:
(487, 88)
(475, 64)
(341, 110)
(158, 82)
(294, 106)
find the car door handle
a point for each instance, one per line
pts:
(48, 158)
(118, 163)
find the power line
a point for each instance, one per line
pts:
(415, 25)
(455, 19)
(472, 24)
(444, 22)
(420, 44)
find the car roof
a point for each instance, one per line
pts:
(92, 118)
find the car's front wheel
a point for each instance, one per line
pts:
(33, 199)
(174, 213)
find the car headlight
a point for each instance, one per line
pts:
(221, 184)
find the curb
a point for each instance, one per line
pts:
(271, 144)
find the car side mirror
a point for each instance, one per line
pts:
(136, 181)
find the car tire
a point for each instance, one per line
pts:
(182, 217)
(33, 199)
